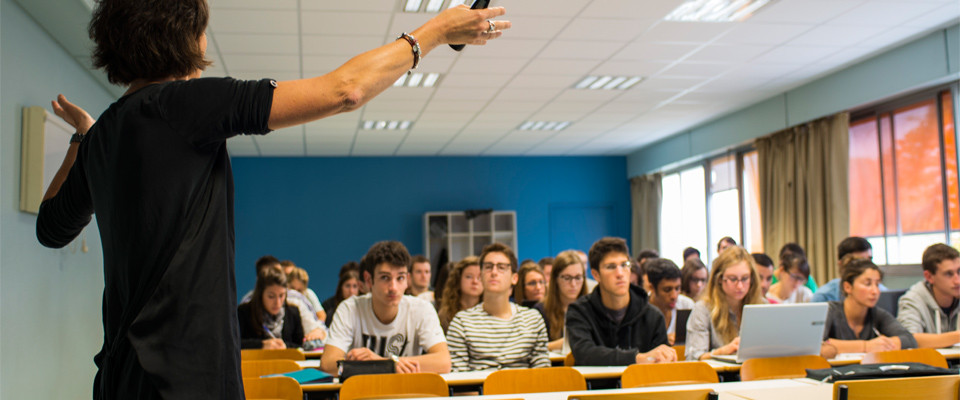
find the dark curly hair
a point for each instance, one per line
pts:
(148, 39)
(390, 252)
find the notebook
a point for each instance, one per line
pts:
(306, 375)
(779, 330)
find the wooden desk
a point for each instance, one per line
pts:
(312, 353)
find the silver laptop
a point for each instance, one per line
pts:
(780, 330)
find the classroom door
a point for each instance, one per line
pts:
(577, 226)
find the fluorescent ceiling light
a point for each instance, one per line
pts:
(434, 5)
(400, 81)
(412, 6)
(431, 79)
(415, 79)
(543, 125)
(716, 10)
(607, 82)
(386, 125)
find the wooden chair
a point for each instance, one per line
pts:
(394, 385)
(568, 361)
(282, 354)
(780, 367)
(681, 351)
(701, 394)
(534, 380)
(258, 368)
(925, 387)
(282, 388)
(678, 373)
(926, 356)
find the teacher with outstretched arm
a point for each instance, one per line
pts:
(154, 169)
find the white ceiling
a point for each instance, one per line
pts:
(693, 71)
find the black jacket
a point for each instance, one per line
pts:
(252, 337)
(595, 339)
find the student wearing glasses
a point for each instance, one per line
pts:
(714, 324)
(615, 324)
(566, 286)
(497, 333)
(532, 285)
(856, 324)
(792, 274)
(693, 278)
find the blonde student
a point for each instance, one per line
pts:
(714, 324)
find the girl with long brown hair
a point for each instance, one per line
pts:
(463, 290)
(566, 286)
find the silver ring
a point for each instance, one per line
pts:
(492, 28)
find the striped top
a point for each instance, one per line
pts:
(478, 340)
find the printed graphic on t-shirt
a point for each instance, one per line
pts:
(383, 346)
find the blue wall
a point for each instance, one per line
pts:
(323, 212)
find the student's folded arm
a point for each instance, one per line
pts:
(937, 340)
(585, 350)
(328, 361)
(436, 360)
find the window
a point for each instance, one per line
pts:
(903, 177)
(696, 211)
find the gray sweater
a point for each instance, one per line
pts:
(919, 312)
(877, 320)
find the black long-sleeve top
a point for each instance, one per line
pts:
(154, 169)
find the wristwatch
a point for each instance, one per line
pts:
(76, 138)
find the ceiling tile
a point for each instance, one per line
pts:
(352, 5)
(551, 8)
(726, 53)
(560, 67)
(336, 23)
(836, 35)
(505, 47)
(694, 32)
(643, 50)
(219, 5)
(254, 21)
(247, 62)
(339, 45)
(605, 29)
(533, 27)
(655, 9)
(576, 49)
(696, 69)
(884, 13)
(630, 68)
(796, 54)
(752, 32)
(803, 11)
(235, 43)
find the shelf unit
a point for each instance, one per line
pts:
(464, 237)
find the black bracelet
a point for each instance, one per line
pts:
(76, 138)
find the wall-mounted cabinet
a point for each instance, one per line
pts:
(451, 236)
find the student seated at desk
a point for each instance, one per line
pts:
(856, 325)
(347, 286)
(792, 274)
(931, 307)
(566, 286)
(765, 270)
(463, 290)
(312, 325)
(384, 323)
(615, 325)
(714, 324)
(664, 278)
(693, 278)
(531, 285)
(497, 333)
(860, 248)
(267, 321)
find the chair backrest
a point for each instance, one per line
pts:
(678, 373)
(700, 394)
(396, 385)
(568, 361)
(280, 387)
(889, 300)
(281, 354)
(258, 368)
(944, 387)
(681, 351)
(780, 367)
(534, 380)
(926, 356)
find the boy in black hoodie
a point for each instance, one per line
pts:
(615, 325)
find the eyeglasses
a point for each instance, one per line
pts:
(501, 267)
(612, 266)
(571, 278)
(798, 277)
(732, 280)
(536, 283)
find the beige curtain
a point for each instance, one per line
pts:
(645, 195)
(803, 190)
